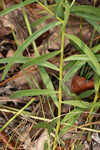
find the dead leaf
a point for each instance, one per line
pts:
(80, 84)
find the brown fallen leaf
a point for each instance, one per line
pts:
(80, 84)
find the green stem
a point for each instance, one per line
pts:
(60, 89)
(93, 107)
(29, 30)
(95, 100)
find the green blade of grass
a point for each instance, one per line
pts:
(73, 70)
(81, 57)
(86, 50)
(77, 57)
(32, 92)
(86, 94)
(16, 60)
(41, 69)
(48, 83)
(88, 16)
(94, 24)
(69, 120)
(40, 59)
(96, 48)
(26, 43)
(77, 103)
(59, 10)
(71, 115)
(14, 7)
(49, 65)
(39, 21)
(86, 9)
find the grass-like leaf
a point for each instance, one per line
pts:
(26, 43)
(49, 65)
(96, 48)
(73, 70)
(40, 59)
(33, 92)
(86, 94)
(77, 57)
(59, 10)
(48, 83)
(86, 9)
(95, 24)
(69, 120)
(87, 51)
(77, 103)
(86, 16)
(39, 21)
(14, 7)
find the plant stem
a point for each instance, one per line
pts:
(93, 106)
(60, 88)
(29, 30)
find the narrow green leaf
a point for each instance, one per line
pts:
(39, 21)
(73, 70)
(26, 43)
(14, 7)
(66, 13)
(27, 59)
(81, 57)
(71, 115)
(86, 9)
(86, 50)
(88, 16)
(77, 103)
(40, 59)
(96, 81)
(95, 24)
(45, 145)
(49, 65)
(68, 65)
(46, 79)
(33, 92)
(59, 9)
(96, 48)
(69, 120)
(77, 57)
(16, 60)
(86, 94)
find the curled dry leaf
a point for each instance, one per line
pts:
(80, 84)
